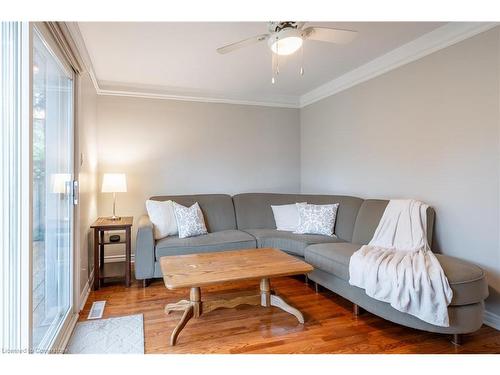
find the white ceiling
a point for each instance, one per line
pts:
(180, 57)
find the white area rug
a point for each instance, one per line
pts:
(124, 335)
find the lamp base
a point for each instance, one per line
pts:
(114, 217)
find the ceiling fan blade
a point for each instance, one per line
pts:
(330, 35)
(242, 43)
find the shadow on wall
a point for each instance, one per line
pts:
(435, 244)
(90, 252)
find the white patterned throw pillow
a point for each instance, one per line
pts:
(316, 219)
(190, 220)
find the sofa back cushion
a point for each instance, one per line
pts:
(218, 209)
(253, 210)
(369, 215)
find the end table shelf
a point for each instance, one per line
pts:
(114, 270)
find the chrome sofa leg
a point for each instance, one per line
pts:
(146, 282)
(306, 279)
(457, 339)
(316, 287)
(356, 310)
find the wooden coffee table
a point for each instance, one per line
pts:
(200, 270)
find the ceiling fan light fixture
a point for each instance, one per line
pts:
(285, 42)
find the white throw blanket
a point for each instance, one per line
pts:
(398, 266)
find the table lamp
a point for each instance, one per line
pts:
(59, 183)
(114, 183)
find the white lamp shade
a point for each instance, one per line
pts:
(58, 182)
(114, 183)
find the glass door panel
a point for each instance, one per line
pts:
(52, 193)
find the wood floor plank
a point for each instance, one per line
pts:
(329, 325)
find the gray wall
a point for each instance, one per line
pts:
(428, 130)
(87, 173)
(176, 147)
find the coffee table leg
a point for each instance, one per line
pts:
(178, 306)
(277, 301)
(191, 308)
(195, 298)
(265, 293)
(268, 298)
(188, 314)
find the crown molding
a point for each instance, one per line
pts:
(140, 91)
(203, 98)
(172, 93)
(433, 41)
(77, 37)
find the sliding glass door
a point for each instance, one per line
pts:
(52, 231)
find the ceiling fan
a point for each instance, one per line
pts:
(285, 38)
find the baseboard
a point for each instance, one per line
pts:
(60, 346)
(492, 320)
(117, 258)
(84, 295)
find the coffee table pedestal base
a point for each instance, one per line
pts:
(195, 307)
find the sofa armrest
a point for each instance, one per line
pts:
(144, 249)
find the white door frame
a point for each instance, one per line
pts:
(58, 343)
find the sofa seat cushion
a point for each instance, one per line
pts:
(467, 280)
(210, 242)
(288, 241)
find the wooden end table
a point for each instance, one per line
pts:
(116, 269)
(200, 270)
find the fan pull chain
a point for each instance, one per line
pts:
(273, 63)
(302, 60)
(277, 59)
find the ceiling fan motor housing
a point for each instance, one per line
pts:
(278, 26)
(286, 41)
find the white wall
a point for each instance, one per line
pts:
(176, 147)
(87, 174)
(428, 130)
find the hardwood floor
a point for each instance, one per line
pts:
(329, 325)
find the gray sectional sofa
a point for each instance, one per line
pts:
(247, 221)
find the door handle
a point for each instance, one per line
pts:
(76, 192)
